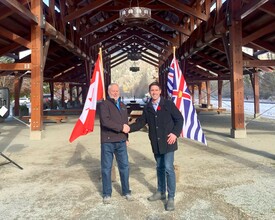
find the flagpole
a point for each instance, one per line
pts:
(102, 72)
(174, 52)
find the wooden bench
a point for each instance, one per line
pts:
(54, 118)
(218, 110)
(134, 114)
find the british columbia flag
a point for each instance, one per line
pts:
(179, 92)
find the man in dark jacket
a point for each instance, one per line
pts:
(165, 124)
(114, 126)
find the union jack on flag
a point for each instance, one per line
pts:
(179, 92)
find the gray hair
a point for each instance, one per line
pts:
(112, 84)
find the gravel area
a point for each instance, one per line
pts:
(229, 179)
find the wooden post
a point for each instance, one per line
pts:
(63, 95)
(51, 84)
(256, 92)
(17, 86)
(208, 89)
(36, 71)
(193, 94)
(200, 96)
(220, 93)
(236, 64)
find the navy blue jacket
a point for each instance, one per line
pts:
(167, 119)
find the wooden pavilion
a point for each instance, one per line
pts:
(64, 37)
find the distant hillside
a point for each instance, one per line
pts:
(134, 83)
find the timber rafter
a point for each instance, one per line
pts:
(76, 29)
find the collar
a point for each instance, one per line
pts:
(156, 102)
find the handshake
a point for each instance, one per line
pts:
(126, 129)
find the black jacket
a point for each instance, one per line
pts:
(112, 120)
(167, 119)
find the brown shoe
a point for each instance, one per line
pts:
(157, 196)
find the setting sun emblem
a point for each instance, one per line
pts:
(180, 94)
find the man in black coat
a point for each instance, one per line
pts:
(165, 124)
(113, 128)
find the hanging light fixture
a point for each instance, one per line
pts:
(134, 15)
(134, 56)
(134, 68)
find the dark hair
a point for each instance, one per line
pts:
(154, 84)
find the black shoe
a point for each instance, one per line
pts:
(170, 205)
(157, 196)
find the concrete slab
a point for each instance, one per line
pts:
(229, 179)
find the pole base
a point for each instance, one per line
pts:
(239, 133)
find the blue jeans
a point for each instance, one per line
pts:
(166, 173)
(107, 154)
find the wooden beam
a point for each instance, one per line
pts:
(15, 66)
(212, 59)
(85, 10)
(21, 10)
(250, 7)
(268, 8)
(108, 36)
(99, 25)
(9, 48)
(117, 42)
(152, 55)
(264, 45)
(116, 64)
(156, 43)
(183, 8)
(63, 41)
(151, 63)
(118, 48)
(14, 37)
(174, 41)
(258, 63)
(266, 29)
(45, 51)
(149, 58)
(171, 25)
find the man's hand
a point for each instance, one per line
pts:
(126, 128)
(171, 138)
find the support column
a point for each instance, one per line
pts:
(208, 89)
(84, 92)
(63, 95)
(256, 92)
(71, 92)
(193, 94)
(51, 84)
(220, 93)
(236, 60)
(200, 95)
(17, 87)
(36, 72)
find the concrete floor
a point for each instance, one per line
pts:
(229, 179)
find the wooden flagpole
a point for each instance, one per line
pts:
(102, 72)
(174, 52)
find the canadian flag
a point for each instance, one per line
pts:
(85, 123)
